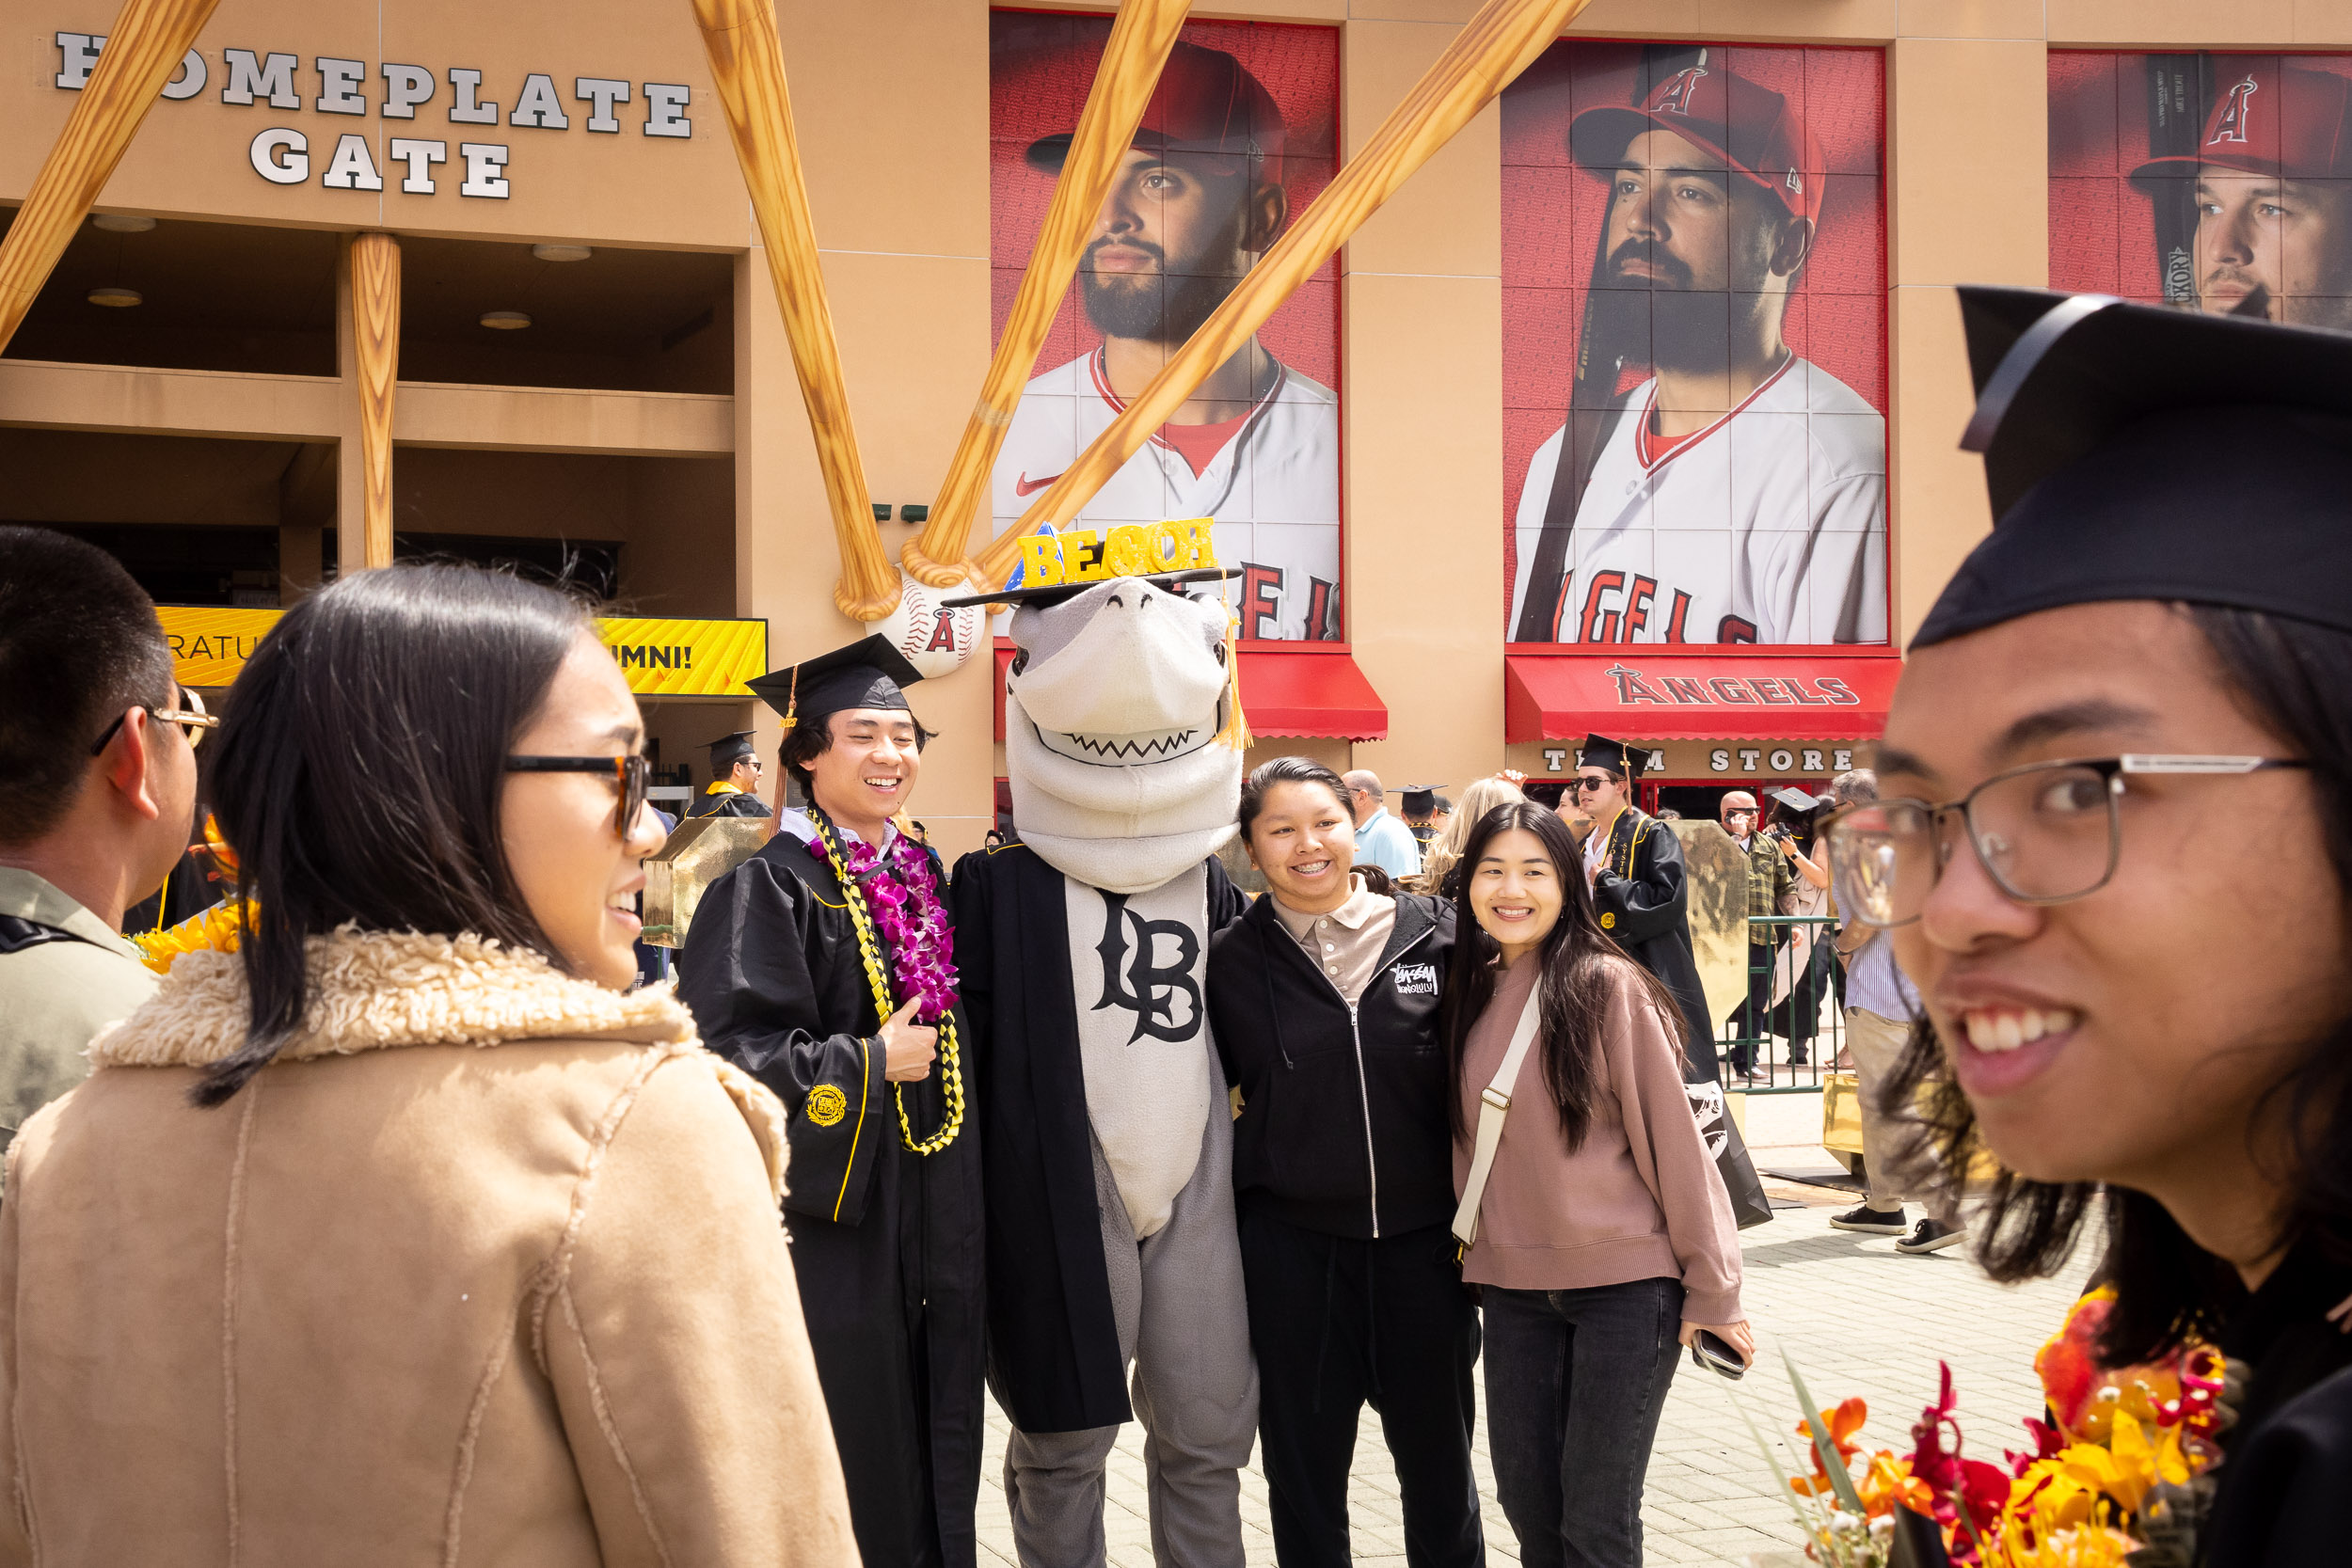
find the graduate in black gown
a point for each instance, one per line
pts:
(2112, 846)
(884, 1200)
(734, 789)
(1639, 888)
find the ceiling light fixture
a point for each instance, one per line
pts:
(506, 320)
(122, 222)
(120, 299)
(562, 252)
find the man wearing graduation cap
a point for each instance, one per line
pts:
(1112, 1238)
(733, 779)
(1634, 867)
(2110, 847)
(826, 965)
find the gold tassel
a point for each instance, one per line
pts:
(1236, 730)
(792, 701)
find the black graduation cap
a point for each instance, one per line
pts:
(2138, 452)
(867, 673)
(1057, 592)
(1614, 755)
(1417, 800)
(728, 750)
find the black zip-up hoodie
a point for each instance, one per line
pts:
(1344, 1123)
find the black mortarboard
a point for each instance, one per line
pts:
(1614, 755)
(2134, 453)
(1056, 593)
(728, 750)
(868, 673)
(1417, 800)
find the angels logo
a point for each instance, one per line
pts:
(1675, 97)
(2231, 126)
(1164, 997)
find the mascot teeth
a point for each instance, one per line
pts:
(1156, 746)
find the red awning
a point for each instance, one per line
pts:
(1781, 695)
(1307, 690)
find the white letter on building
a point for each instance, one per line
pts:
(273, 79)
(486, 170)
(462, 84)
(77, 56)
(191, 78)
(665, 109)
(339, 86)
(404, 87)
(603, 93)
(295, 170)
(537, 105)
(353, 168)
(420, 156)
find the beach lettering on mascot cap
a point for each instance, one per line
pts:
(1129, 550)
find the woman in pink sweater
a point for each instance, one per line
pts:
(1604, 1239)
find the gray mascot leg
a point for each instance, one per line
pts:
(1184, 1324)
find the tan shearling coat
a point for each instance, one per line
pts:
(486, 1269)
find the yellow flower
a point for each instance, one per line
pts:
(216, 929)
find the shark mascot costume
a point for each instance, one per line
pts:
(1105, 1137)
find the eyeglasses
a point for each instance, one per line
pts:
(632, 773)
(192, 721)
(1592, 781)
(2044, 834)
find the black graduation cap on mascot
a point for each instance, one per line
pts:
(1614, 756)
(728, 750)
(1059, 592)
(2134, 453)
(868, 673)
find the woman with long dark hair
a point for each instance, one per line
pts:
(1323, 997)
(407, 1229)
(2114, 845)
(1603, 1238)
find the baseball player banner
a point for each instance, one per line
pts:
(2212, 182)
(1695, 345)
(1240, 133)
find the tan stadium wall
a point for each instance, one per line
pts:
(891, 99)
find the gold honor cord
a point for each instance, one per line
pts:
(950, 1061)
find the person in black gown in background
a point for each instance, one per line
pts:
(884, 1201)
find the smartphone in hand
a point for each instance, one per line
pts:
(1710, 1350)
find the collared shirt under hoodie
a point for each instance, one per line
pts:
(2289, 1464)
(1345, 943)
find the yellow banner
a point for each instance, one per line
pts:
(659, 657)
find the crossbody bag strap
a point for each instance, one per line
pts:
(17, 934)
(1494, 1104)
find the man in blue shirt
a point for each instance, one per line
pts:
(1381, 840)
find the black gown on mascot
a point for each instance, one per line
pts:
(887, 1244)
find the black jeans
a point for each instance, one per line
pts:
(1338, 1324)
(1575, 1382)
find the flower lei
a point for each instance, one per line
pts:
(905, 905)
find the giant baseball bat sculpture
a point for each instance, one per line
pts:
(148, 40)
(1124, 78)
(374, 262)
(747, 63)
(1501, 40)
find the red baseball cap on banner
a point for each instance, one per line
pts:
(1753, 131)
(2270, 118)
(1204, 102)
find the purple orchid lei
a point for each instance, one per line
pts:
(903, 897)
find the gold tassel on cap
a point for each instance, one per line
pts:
(792, 701)
(1236, 730)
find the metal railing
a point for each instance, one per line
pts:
(1791, 1028)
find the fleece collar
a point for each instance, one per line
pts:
(376, 991)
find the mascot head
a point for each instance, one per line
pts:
(1116, 711)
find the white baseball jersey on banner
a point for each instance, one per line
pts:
(1769, 526)
(1273, 488)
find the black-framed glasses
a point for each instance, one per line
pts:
(2046, 833)
(632, 773)
(190, 716)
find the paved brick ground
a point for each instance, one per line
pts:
(1857, 1317)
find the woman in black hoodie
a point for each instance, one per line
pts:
(1325, 1001)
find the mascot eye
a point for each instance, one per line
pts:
(1019, 662)
(1221, 654)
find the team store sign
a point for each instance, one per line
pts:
(424, 165)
